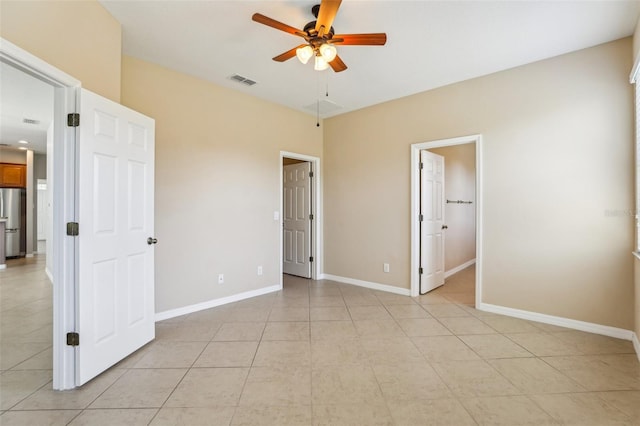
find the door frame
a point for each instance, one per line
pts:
(316, 210)
(64, 206)
(415, 207)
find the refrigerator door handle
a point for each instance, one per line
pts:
(2, 204)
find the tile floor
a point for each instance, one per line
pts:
(323, 353)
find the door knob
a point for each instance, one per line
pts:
(152, 240)
(445, 227)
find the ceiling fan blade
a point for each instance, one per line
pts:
(326, 15)
(288, 54)
(265, 20)
(374, 39)
(337, 65)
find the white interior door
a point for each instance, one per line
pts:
(297, 219)
(115, 286)
(432, 221)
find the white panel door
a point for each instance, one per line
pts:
(432, 224)
(297, 219)
(115, 286)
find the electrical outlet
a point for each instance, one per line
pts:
(385, 267)
(220, 278)
(259, 270)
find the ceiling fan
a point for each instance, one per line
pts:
(320, 37)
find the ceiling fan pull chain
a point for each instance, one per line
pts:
(327, 83)
(318, 100)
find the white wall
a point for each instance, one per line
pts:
(39, 172)
(50, 183)
(30, 236)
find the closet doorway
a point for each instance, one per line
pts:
(446, 193)
(301, 221)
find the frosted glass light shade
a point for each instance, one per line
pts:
(304, 53)
(321, 64)
(328, 52)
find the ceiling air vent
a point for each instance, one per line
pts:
(244, 80)
(30, 121)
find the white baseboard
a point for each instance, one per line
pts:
(459, 268)
(636, 345)
(367, 284)
(215, 302)
(605, 330)
(3, 266)
(28, 255)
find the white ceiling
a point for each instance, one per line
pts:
(23, 96)
(430, 43)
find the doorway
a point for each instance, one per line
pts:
(300, 221)
(297, 256)
(462, 247)
(61, 181)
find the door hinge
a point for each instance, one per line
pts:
(420, 271)
(311, 259)
(311, 217)
(421, 218)
(73, 339)
(310, 174)
(421, 166)
(73, 229)
(73, 119)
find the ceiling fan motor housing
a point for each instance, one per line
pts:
(310, 29)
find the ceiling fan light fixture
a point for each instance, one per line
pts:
(328, 52)
(321, 64)
(304, 54)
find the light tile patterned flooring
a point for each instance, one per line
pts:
(323, 353)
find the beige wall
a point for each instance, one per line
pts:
(79, 37)
(557, 156)
(217, 181)
(636, 41)
(459, 184)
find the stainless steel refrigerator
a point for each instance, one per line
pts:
(11, 208)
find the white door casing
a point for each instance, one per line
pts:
(297, 219)
(432, 223)
(115, 286)
(61, 166)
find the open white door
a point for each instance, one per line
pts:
(432, 221)
(297, 219)
(115, 285)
